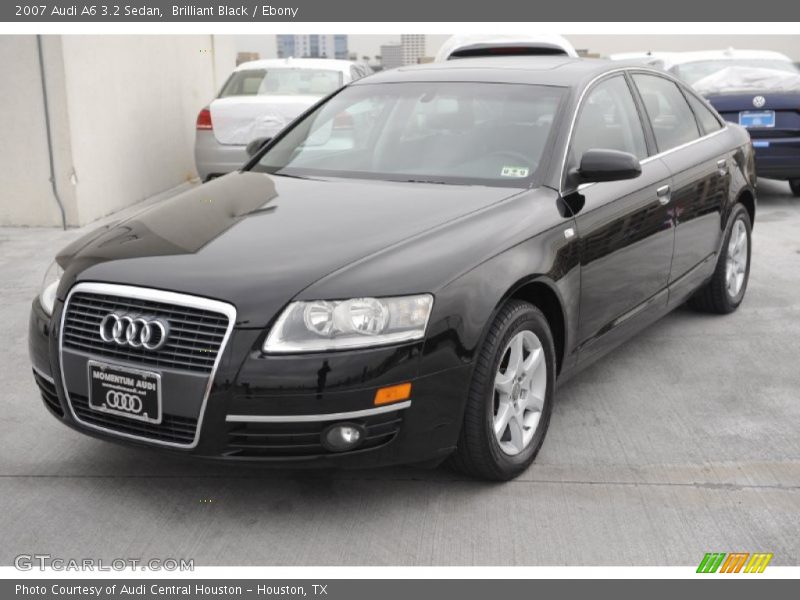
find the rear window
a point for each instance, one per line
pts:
(477, 50)
(708, 121)
(282, 82)
(695, 71)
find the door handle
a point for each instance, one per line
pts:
(664, 195)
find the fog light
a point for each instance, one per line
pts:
(342, 436)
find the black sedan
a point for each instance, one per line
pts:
(406, 273)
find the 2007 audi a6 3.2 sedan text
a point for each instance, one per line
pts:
(406, 273)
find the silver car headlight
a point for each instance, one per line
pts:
(356, 323)
(47, 293)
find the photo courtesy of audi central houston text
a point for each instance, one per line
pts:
(404, 267)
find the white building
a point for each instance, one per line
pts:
(413, 46)
(392, 56)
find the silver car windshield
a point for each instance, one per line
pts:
(282, 82)
(483, 133)
(694, 71)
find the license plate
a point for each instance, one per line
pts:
(757, 118)
(125, 392)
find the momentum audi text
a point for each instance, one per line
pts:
(406, 273)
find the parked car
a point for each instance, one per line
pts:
(475, 45)
(258, 100)
(410, 288)
(757, 89)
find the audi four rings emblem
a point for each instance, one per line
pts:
(759, 101)
(121, 401)
(134, 331)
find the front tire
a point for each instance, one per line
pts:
(725, 291)
(510, 397)
(795, 185)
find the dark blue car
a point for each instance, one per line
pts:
(761, 93)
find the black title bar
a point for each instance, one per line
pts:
(442, 11)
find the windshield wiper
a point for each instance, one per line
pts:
(431, 181)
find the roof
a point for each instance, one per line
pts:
(330, 64)
(542, 70)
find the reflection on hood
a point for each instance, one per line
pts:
(738, 78)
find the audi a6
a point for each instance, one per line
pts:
(413, 287)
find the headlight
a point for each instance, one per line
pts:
(47, 293)
(357, 323)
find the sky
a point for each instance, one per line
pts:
(369, 45)
(362, 45)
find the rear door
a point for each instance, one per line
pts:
(626, 231)
(700, 174)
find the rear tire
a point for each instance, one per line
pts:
(725, 290)
(795, 185)
(510, 397)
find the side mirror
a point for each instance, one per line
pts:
(607, 165)
(256, 145)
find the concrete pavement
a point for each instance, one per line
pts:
(684, 440)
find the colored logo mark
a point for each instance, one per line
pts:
(734, 562)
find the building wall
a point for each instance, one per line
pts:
(133, 125)
(26, 196)
(122, 110)
(391, 56)
(413, 48)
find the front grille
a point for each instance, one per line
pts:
(302, 439)
(48, 390)
(172, 429)
(195, 335)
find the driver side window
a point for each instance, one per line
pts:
(609, 120)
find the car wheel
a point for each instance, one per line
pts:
(510, 396)
(725, 291)
(795, 185)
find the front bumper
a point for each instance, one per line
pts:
(213, 159)
(273, 409)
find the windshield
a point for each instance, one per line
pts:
(694, 71)
(282, 82)
(483, 133)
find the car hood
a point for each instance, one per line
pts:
(257, 240)
(241, 119)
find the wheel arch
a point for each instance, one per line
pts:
(544, 296)
(747, 198)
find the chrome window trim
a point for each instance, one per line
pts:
(312, 418)
(44, 375)
(644, 161)
(142, 293)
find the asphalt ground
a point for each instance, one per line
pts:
(683, 441)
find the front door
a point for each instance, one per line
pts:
(625, 227)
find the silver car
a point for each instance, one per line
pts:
(258, 100)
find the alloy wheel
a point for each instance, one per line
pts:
(736, 260)
(520, 385)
